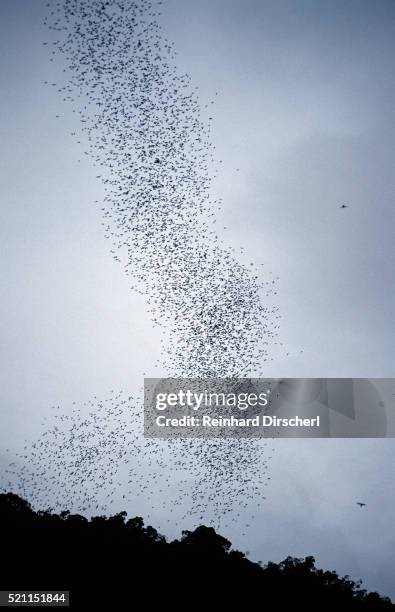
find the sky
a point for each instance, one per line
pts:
(303, 122)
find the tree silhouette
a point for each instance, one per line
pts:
(116, 561)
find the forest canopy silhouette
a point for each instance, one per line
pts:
(118, 560)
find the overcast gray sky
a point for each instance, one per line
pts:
(303, 121)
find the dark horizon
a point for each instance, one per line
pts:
(112, 559)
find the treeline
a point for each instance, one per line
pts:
(117, 561)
